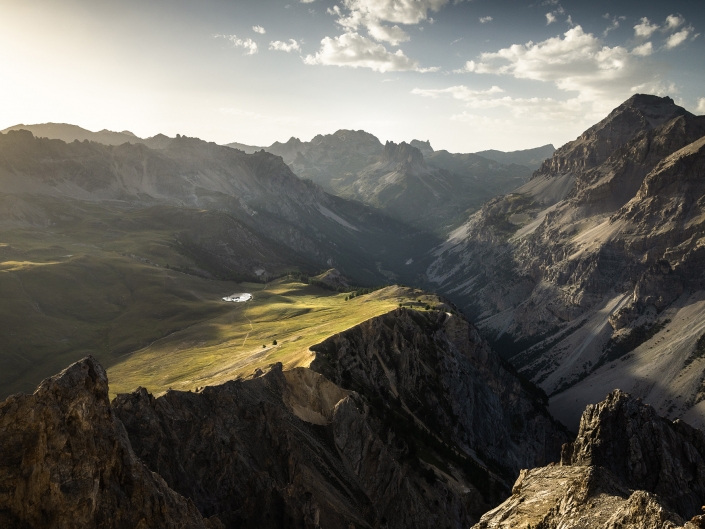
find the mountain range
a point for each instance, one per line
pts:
(427, 189)
(402, 408)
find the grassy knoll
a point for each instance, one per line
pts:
(228, 346)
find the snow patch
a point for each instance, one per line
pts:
(238, 298)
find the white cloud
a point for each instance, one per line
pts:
(485, 20)
(613, 25)
(394, 11)
(701, 105)
(278, 45)
(392, 34)
(644, 50)
(307, 1)
(258, 29)
(673, 21)
(599, 77)
(249, 45)
(461, 92)
(356, 51)
(645, 28)
(678, 38)
(550, 18)
(577, 62)
(372, 14)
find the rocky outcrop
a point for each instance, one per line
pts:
(441, 373)
(289, 450)
(66, 462)
(644, 451)
(628, 467)
(639, 113)
(577, 497)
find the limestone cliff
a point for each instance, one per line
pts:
(627, 468)
(578, 276)
(441, 373)
(66, 462)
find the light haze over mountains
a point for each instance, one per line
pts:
(442, 320)
(466, 75)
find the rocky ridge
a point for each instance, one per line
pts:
(410, 181)
(398, 357)
(66, 462)
(258, 191)
(574, 270)
(627, 468)
(293, 449)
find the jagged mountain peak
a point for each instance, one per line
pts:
(423, 146)
(628, 467)
(355, 139)
(402, 153)
(639, 113)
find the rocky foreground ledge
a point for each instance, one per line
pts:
(407, 420)
(400, 422)
(66, 462)
(628, 468)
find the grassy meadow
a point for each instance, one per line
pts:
(79, 279)
(241, 340)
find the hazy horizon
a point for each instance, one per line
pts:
(467, 76)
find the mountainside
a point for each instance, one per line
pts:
(412, 182)
(110, 249)
(573, 275)
(627, 468)
(284, 449)
(531, 158)
(257, 190)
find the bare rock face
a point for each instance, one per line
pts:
(66, 462)
(578, 497)
(628, 467)
(643, 450)
(639, 113)
(440, 371)
(290, 450)
(577, 269)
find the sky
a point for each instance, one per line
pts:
(466, 75)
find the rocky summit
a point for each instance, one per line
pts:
(67, 462)
(628, 467)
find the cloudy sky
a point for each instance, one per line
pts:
(467, 75)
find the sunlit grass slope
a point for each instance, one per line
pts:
(240, 341)
(78, 278)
